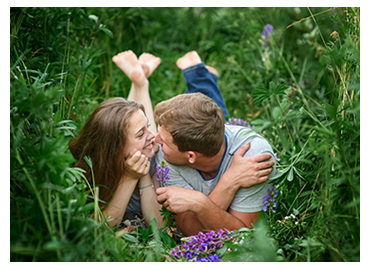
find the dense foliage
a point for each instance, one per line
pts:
(297, 81)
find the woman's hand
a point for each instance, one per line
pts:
(136, 165)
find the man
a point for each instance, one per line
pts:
(207, 187)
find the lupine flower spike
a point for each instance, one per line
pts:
(162, 172)
(265, 44)
(201, 247)
(267, 32)
(238, 122)
(270, 199)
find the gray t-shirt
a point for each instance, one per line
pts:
(247, 200)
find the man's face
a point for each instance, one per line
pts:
(170, 150)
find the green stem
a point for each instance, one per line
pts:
(313, 17)
(53, 227)
(286, 123)
(59, 212)
(295, 81)
(42, 207)
(291, 205)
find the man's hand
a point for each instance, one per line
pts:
(249, 171)
(136, 165)
(178, 199)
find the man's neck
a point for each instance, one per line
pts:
(208, 166)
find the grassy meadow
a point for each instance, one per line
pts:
(298, 85)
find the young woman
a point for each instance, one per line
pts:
(119, 139)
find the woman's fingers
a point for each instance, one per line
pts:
(138, 163)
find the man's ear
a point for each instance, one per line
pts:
(192, 157)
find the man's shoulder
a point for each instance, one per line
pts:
(239, 135)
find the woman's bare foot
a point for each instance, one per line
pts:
(149, 63)
(130, 65)
(190, 59)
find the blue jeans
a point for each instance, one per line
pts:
(199, 79)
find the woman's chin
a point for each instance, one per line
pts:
(149, 155)
(151, 150)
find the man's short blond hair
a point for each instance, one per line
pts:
(195, 122)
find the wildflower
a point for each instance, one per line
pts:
(265, 40)
(267, 32)
(270, 200)
(238, 122)
(291, 216)
(202, 247)
(162, 172)
(278, 159)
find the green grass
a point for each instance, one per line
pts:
(301, 91)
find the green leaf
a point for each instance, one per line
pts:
(167, 239)
(290, 175)
(130, 238)
(106, 30)
(260, 95)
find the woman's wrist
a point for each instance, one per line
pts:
(142, 188)
(145, 182)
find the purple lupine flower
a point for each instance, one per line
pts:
(267, 32)
(270, 200)
(201, 247)
(238, 122)
(162, 172)
(278, 159)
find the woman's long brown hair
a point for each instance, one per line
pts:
(102, 139)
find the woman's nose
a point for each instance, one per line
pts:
(151, 136)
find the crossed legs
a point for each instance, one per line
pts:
(198, 76)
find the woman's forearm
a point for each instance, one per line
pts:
(116, 209)
(148, 198)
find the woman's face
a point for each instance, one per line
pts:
(139, 136)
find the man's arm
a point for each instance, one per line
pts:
(196, 212)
